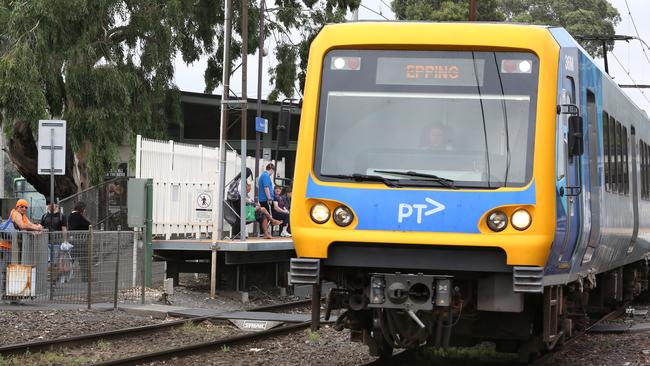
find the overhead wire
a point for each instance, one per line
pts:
(629, 75)
(638, 37)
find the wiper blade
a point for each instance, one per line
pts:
(364, 177)
(443, 181)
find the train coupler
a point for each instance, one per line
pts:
(409, 291)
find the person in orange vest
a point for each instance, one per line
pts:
(20, 219)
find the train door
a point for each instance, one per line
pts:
(569, 183)
(594, 177)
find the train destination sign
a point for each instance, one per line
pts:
(430, 71)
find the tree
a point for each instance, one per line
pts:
(579, 17)
(106, 67)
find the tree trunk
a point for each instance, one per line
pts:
(23, 153)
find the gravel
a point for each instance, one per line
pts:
(325, 347)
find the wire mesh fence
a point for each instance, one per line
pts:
(105, 203)
(72, 267)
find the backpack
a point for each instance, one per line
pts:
(8, 225)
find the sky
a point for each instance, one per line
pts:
(628, 64)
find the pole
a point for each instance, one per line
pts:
(51, 166)
(472, 10)
(148, 252)
(89, 266)
(244, 119)
(117, 268)
(605, 57)
(225, 81)
(213, 272)
(258, 135)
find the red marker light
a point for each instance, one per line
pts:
(346, 63)
(516, 66)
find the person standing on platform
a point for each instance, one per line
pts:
(265, 188)
(78, 222)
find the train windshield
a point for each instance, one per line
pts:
(467, 117)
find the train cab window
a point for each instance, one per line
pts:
(606, 152)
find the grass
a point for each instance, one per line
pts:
(313, 337)
(225, 348)
(483, 352)
(103, 345)
(45, 358)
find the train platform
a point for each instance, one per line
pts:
(196, 256)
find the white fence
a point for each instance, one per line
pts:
(185, 180)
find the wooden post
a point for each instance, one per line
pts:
(213, 273)
(472, 10)
(315, 307)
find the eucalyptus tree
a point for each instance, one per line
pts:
(107, 68)
(579, 17)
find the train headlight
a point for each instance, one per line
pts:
(497, 221)
(521, 220)
(320, 213)
(343, 216)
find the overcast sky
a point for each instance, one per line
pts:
(626, 57)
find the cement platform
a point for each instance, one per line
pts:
(248, 245)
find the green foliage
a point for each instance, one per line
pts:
(579, 17)
(313, 337)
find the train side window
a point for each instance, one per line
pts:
(626, 161)
(613, 169)
(606, 153)
(647, 170)
(642, 169)
(619, 159)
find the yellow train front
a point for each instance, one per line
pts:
(427, 184)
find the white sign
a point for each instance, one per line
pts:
(266, 153)
(406, 210)
(51, 137)
(203, 205)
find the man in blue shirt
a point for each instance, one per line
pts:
(265, 187)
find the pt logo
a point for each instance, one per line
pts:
(405, 210)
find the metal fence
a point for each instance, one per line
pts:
(105, 203)
(72, 267)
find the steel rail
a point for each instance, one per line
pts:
(92, 337)
(203, 347)
(68, 342)
(545, 357)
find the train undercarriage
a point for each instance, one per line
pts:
(396, 309)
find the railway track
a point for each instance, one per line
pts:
(542, 360)
(409, 357)
(75, 341)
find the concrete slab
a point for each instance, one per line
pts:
(248, 245)
(247, 315)
(641, 327)
(610, 328)
(156, 311)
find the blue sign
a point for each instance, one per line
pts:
(261, 125)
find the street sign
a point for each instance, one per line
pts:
(51, 147)
(261, 125)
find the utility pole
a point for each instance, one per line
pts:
(472, 10)
(604, 40)
(225, 81)
(258, 135)
(244, 118)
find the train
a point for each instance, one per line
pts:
(467, 182)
